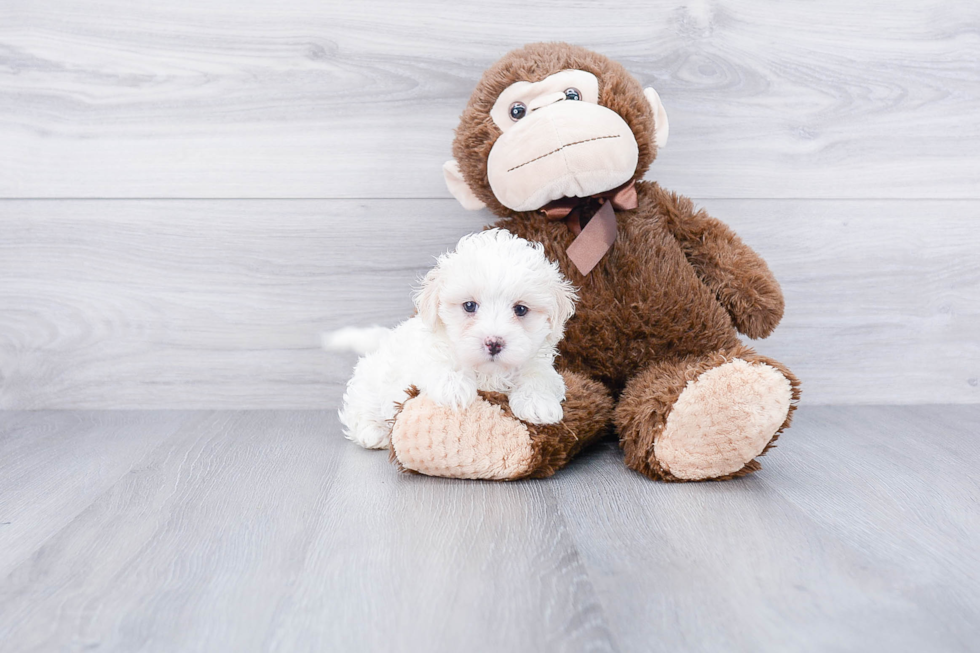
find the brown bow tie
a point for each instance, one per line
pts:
(597, 237)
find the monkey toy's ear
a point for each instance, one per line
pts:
(458, 187)
(660, 125)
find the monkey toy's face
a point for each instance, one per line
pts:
(553, 121)
(557, 141)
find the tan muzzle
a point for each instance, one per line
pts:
(565, 149)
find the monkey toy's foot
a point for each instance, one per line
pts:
(706, 419)
(486, 441)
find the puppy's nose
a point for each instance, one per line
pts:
(494, 345)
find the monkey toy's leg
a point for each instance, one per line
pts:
(486, 441)
(705, 418)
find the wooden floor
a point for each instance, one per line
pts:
(265, 530)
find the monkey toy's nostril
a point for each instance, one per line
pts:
(494, 345)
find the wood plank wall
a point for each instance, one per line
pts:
(190, 192)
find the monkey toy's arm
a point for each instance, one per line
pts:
(737, 275)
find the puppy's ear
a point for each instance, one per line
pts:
(427, 298)
(564, 308)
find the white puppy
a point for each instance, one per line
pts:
(489, 317)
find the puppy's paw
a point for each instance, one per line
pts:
(536, 409)
(370, 436)
(363, 428)
(455, 391)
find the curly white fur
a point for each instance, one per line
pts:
(450, 352)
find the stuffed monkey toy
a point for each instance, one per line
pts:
(554, 141)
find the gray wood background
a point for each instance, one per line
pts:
(191, 191)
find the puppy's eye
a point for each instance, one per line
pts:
(517, 111)
(470, 307)
(572, 94)
(520, 310)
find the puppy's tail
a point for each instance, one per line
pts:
(356, 339)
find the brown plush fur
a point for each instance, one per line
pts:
(664, 305)
(648, 300)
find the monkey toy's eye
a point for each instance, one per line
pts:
(470, 307)
(572, 94)
(520, 310)
(517, 111)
